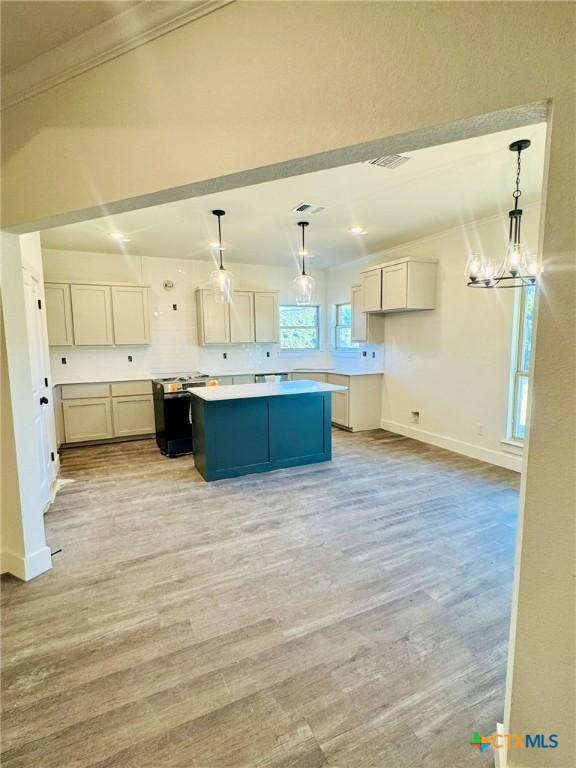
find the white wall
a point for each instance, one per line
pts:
(451, 364)
(174, 347)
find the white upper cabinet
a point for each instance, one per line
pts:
(252, 316)
(85, 314)
(242, 318)
(358, 316)
(59, 314)
(371, 287)
(213, 318)
(130, 315)
(395, 287)
(405, 284)
(92, 315)
(266, 317)
(366, 327)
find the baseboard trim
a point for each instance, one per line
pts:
(29, 566)
(499, 458)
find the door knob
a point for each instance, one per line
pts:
(43, 401)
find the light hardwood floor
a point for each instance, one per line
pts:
(352, 614)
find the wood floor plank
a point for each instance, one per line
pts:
(352, 614)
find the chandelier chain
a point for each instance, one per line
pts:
(517, 192)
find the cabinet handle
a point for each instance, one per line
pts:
(43, 401)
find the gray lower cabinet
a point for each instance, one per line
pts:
(356, 409)
(103, 411)
(86, 419)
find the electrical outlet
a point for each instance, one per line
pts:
(415, 417)
(480, 429)
(129, 358)
(174, 307)
(267, 354)
(224, 355)
(64, 361)
(364, 353)
(373, 355)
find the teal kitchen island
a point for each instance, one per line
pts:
(246, 428)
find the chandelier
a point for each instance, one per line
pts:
(303, 284)
(518, 268)
(221, 280)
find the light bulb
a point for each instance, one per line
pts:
(358, 230)
(221, 281)
(515, 259)
(473, 266)
(304, 288)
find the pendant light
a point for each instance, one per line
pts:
(518, 268)
(303, 284)
(221, 279)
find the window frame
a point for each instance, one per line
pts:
(353, 344)
(299, 327)
(518, 374)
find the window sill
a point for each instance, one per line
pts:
(512, 446)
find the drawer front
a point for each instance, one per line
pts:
(308, 376)
(87, 419)
(246, 379)
(76, 391)
(120, 388)
(336, 378)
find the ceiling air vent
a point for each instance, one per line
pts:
(388, 161)
(308, 208)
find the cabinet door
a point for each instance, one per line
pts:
(395, 287)
(89, 419)
(58, 314)
(340, 400)
(214, 319)
(92, 315)
(242, 317)
(371, 284)
(358, 316)
(130, 315)
(133, 415)
(266, 312)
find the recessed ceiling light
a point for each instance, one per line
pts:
(119, 237)
(358, 230)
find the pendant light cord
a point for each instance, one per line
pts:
(303, 224)
(220, 239)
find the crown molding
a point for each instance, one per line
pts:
(135, 27)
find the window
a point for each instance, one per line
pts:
(344, 327)
(522, 349)
(299, 327)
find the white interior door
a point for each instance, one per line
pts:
(41, 394)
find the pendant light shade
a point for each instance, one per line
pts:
(303, 284)
(518, 268)
(221, 280)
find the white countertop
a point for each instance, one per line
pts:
(57, 380)
(241, 391)
(338, 370)
(145, 376)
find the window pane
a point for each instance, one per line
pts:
(527, 328)
(291, 316)
(344, 337)
(521, 406)
(299, 338)
(344, 314)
